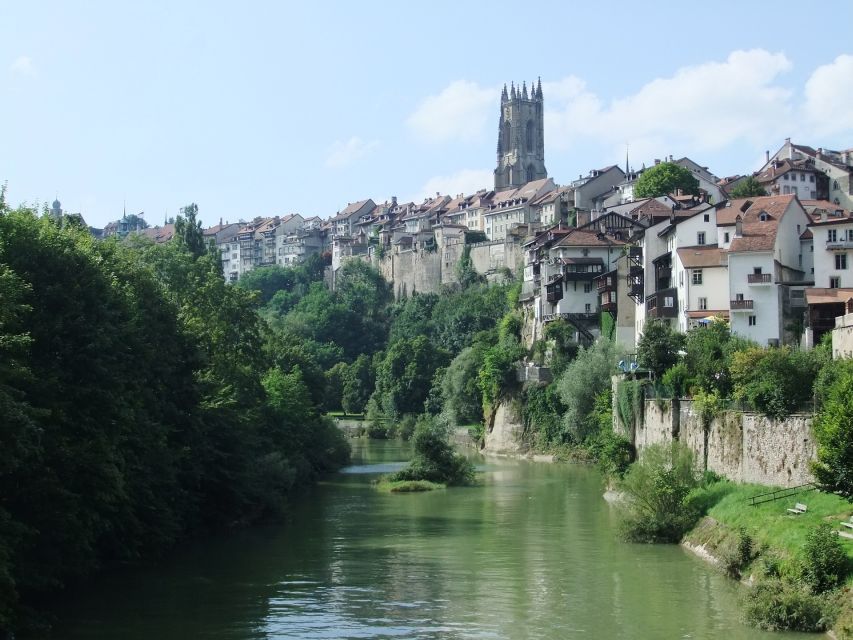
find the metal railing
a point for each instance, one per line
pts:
(778, 494)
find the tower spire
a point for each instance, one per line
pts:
(524, 90)
(512, 90)
(539, 88)
(504, 96)
(626, 159)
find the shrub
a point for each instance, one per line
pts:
(583, 380)
(676, 380)
(825, 563)
(775, 381)
(738, 556)
(657, 487)
(777, 605)
(613, 453)
(434, 458)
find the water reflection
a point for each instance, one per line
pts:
(529, 554)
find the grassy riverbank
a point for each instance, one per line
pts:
(768, 547)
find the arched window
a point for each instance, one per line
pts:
(530, 171)
(507, 145)
(509, 175)
(529, 137)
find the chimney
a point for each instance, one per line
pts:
(767, 156)
(738, 227)
(823, 216)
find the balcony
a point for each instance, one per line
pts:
(606, 282)
(759, 278)
(740, 305)
(635, 253)
(839, 245)
(663, 304)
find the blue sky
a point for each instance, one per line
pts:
(269, 108)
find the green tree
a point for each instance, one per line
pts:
(663, 179)
(461, 395)
(582, 382)
(748, 188)
(656, 490)
(466, 274)
(434, 459)
(188, 230)
(404, 376)
(833, 427)
(358, 383)
(658, 347)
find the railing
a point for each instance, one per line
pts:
(778, 494)
(839, 244)
(741, 305)
(758, 278)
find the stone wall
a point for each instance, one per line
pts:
(744, 447)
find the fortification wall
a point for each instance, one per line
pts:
(745, 447)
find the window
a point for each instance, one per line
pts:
(703, 303)
(835, 185)
(587, 308)
(802, 177)
(697, 276)
(785, 177)
(831, 235)
(669, 301)
(811, 178)
(752, 321)
(835, 282)
(850, 234)
(841, 261)
(587, 287)
(700, 237)
(706, 217)
(726, 237)
(738, 296)
(798, 228)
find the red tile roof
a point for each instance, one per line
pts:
(702, 256)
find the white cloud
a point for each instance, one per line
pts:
(703, 107)
(466, 181)
(460, 111)
(23, 65)
(344, 153)
(828, 104)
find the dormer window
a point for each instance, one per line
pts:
(763, 217)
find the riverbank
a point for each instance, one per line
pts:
(766, 542)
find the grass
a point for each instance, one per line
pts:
(348, 416)
(770, 523)
(408, 486)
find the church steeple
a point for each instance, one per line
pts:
(521, 137)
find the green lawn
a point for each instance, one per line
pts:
(770, 523)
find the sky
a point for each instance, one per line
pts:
(267, 108)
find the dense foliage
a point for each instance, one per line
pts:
(656, 489)
(833, 427)
(140, 403)
(748, 188)
(434, 459)
(663, 179)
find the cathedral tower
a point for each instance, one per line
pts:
(521, 138)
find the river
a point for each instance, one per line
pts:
(531, 553)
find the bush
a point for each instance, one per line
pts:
(434, 459)
(613, 453)
(583, 380)
(825, 563)
(775, 381)
(777, 605)
(657, 487)
(738, 556)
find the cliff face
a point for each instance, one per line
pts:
(505, 429)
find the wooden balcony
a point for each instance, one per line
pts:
(759, 278)
(740, 305)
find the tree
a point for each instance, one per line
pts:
(656, 489)
(188, 230)
(748, 188)
(586, 377)
(658, 347)
(663, 179)
(466, 274)
(404, 376)
(358, 382)
(434, 459)
(833, 427)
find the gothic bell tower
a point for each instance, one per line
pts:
(521, 138)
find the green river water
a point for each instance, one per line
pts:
(531, 553)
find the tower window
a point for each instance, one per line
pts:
(529, 137)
